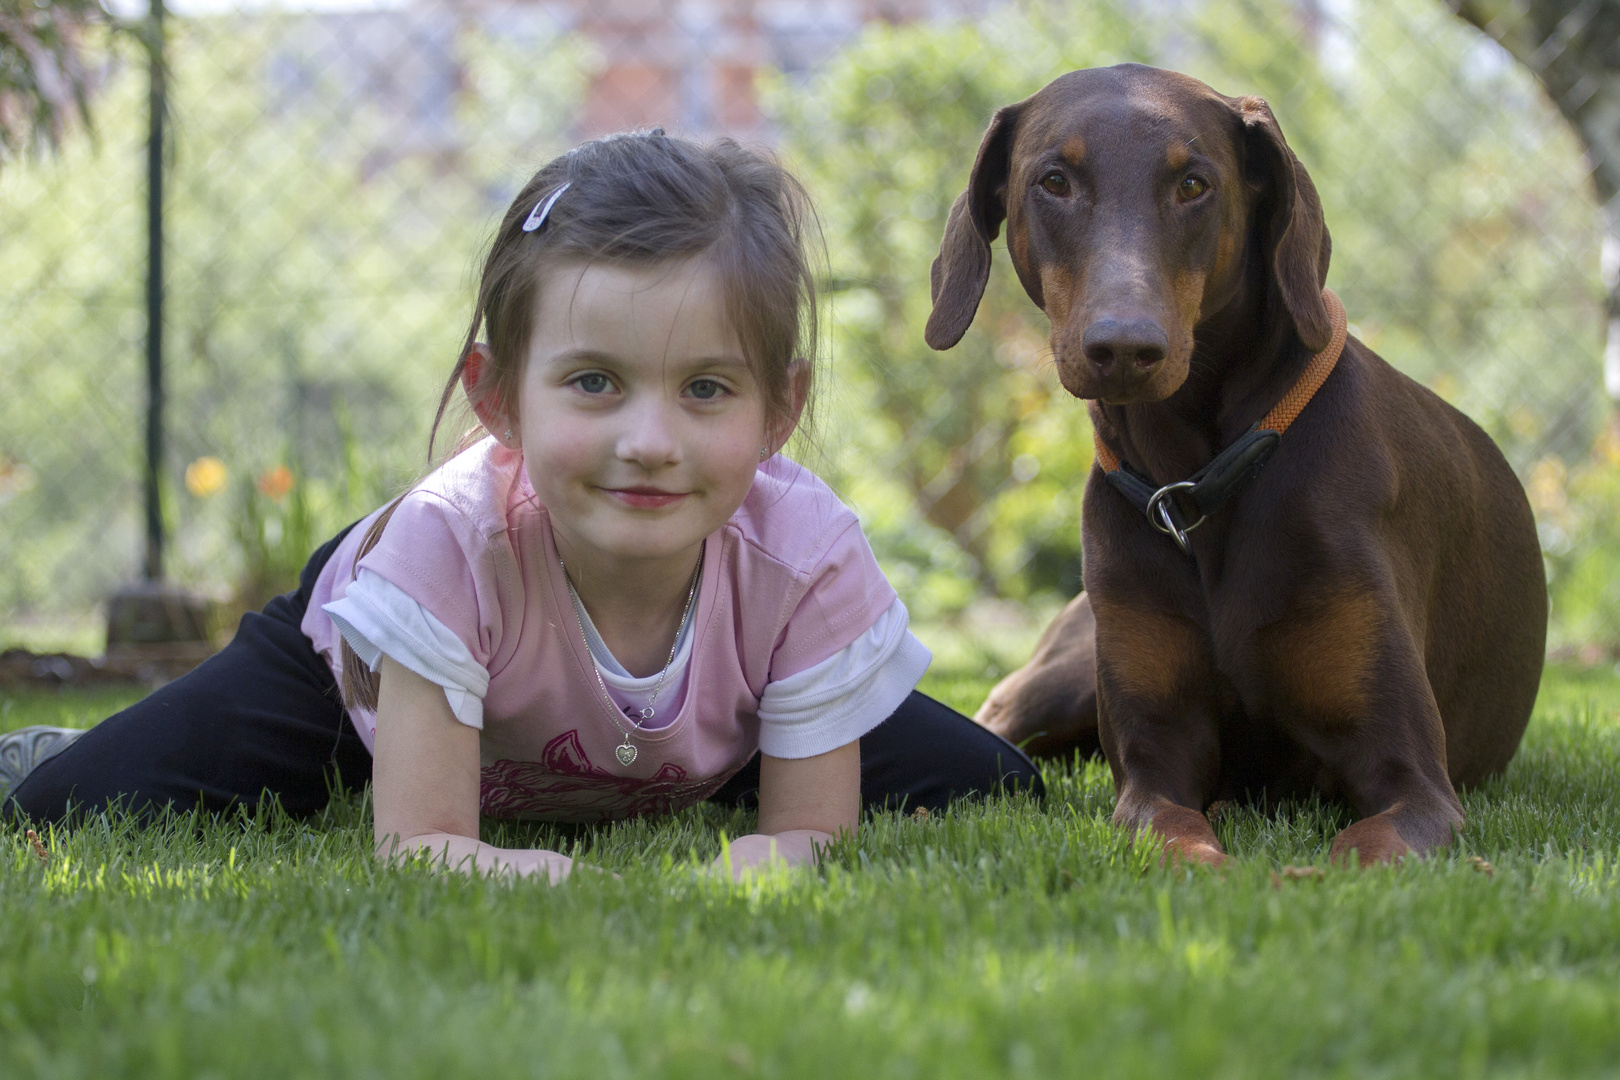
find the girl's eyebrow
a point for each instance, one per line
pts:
(578, 356)
(725, 360)
(597, 356)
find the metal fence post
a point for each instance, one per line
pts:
(153, 567)
(155, 631)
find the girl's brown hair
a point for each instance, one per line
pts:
(641, 198)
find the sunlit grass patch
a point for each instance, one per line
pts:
(1001, 938)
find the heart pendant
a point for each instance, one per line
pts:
(625, 753)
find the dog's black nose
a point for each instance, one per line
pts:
(1125, 349)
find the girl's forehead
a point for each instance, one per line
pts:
(668, 309)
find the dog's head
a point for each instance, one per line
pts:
(1133, 198)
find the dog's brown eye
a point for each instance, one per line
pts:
(1191, 188)
(1055, 183)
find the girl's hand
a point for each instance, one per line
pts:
(746, 854)
(424, 785)
(468, 856)
(803, 804)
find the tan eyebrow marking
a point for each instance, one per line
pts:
(1074, 150)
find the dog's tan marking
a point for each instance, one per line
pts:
(1178, 156)
(1147, 652)
(1189, 298)
(1018, 245)
(1188, 837)
(1057, 286)
(1074, 150)
(1323, 659)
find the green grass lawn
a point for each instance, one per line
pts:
(1004, 939)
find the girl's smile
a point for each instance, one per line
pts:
(646, 498)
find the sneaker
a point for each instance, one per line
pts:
(22, 750)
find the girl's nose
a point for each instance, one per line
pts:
(648, 438)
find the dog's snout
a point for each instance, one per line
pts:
(1126, 349)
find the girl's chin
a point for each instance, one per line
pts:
(645, 548)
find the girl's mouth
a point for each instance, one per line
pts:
(645, 498)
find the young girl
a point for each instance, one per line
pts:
(620, 601)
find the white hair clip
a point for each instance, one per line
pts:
(542, 209)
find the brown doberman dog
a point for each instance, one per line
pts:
(1365, 615)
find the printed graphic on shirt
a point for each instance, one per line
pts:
(564, 786)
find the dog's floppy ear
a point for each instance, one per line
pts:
(1297, 244)
(956, 281)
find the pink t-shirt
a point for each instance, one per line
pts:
(787, 582)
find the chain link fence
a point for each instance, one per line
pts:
(333, 170)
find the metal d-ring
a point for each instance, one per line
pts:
(1158, 512)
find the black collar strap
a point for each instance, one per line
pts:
(1178, 508)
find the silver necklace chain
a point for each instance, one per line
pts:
(626, 751)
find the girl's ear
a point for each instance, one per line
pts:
(780, 430)
(481, 396)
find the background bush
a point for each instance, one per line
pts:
(323, 254)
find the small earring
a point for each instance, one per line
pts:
(764, 452)
(508, 434)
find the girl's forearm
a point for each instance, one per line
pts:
(467, 855)
(796, 847)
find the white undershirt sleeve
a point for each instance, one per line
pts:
(835, 702)
(378, 618)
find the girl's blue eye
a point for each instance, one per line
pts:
(706, 389)
(593, 382)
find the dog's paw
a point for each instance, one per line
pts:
(1369, 842)
(1183, 849)
(1187, 836)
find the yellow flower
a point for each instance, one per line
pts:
(1607, 449)
(1546, 486)
(206, 476)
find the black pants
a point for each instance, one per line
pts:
(264, 717)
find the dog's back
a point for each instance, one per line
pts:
(1475, 588)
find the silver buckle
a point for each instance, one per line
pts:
(1159, 514)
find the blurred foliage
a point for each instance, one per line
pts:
(48, 69)
(332, 184)
(283, 514)
(321, 240)
(1580, 535)
(982, 453)
(1465, 233)
(1465, 248)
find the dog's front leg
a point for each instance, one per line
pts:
(1346, 675)
(1394, 771)
(1159, 725)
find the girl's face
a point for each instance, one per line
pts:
(640, 421)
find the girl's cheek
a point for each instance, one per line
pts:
(563, 450)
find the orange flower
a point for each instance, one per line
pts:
(276, 482)
(15, 478)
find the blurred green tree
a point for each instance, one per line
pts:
(979, 441)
